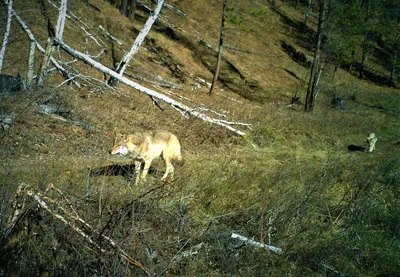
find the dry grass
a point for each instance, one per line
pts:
(292, 166)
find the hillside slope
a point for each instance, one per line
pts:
(290, 182)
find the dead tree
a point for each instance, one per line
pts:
(315, 67)
(307, 12)
(9, 4)
(221, 42)
(31, 63)
(31, 37)
(50, 48)
(138, 41)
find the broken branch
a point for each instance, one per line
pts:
(274, 249)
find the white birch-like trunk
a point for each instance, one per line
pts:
(61, 19)
(138, 41)
(187, 110)
(31, 63)
(9, 4)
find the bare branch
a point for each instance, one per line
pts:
(109, 35)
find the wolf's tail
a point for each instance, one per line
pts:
(178, 159)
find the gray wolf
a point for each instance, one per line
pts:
(145, 146)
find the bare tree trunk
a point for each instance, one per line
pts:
(123, 9)
(139, 40)
(308, 12)
(353, 58)
(45, 62)
(49, 47)
(221, 42)
(362, 65)
(131, 9)
(392, 78)
(153, 94)
(61, 19)
(366, 34)
(313, 82)
(9, 4)
(31, 63)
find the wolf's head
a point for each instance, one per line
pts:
(123, 145)
(120, 146)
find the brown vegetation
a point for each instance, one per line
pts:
(290, 182)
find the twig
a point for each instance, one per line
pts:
(155, 102)
(109, 35)
(274, 249)
(68, 80)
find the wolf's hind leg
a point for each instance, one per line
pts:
(168, 171)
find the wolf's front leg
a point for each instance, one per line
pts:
(146, 168)
(138, 165)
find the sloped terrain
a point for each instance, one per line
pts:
(290, 182)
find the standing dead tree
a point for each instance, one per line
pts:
(50, 48)
(315, 67)
(221, 42)
(138, 41)
(31, 37)
(185, 110)
(9, 4)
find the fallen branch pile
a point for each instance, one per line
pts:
(72, 219)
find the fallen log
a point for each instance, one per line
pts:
(187, 110)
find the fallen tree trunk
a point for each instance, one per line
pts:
(187, 110)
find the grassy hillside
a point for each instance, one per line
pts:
(290, 182)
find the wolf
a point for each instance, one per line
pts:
(145, 146)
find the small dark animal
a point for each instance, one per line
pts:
(296, 100)
(10, 83)
(353, 148)
(338, 102)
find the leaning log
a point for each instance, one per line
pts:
(187, 110)
(138, 42)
